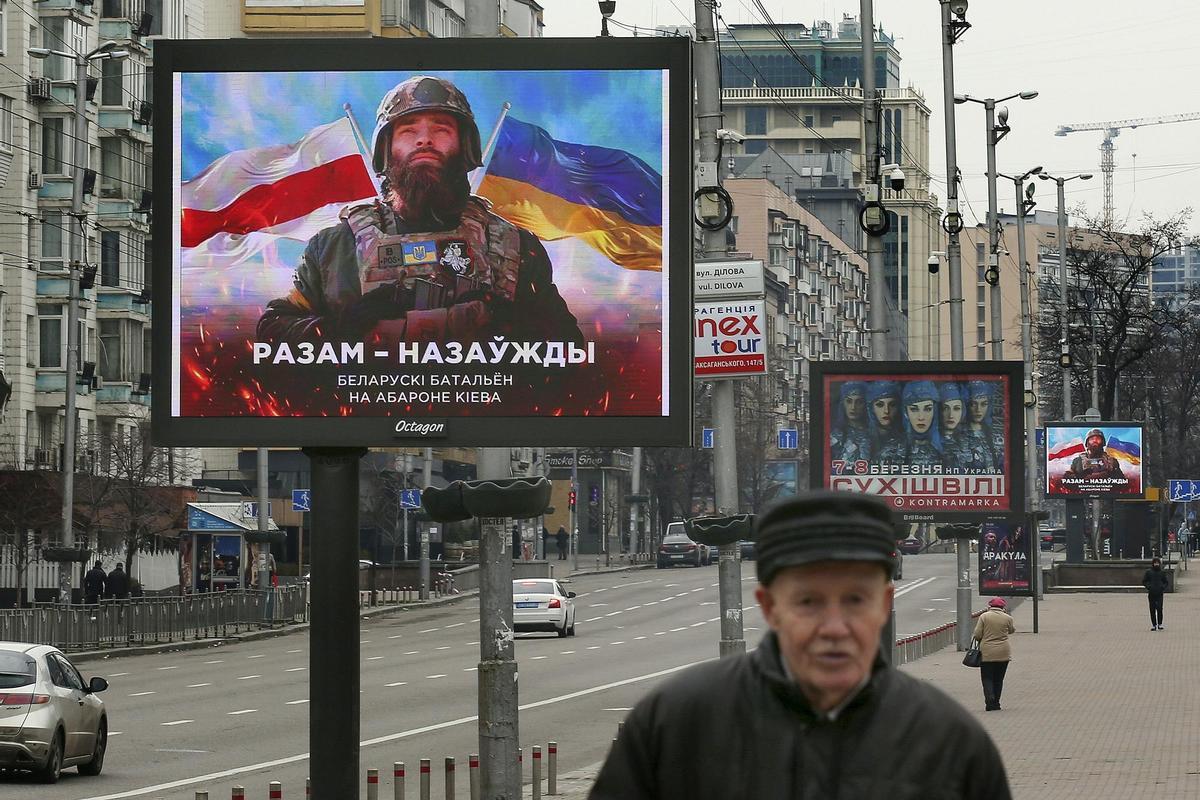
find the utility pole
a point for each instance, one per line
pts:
(954, 25)
(709, 119)
(1063, 317)
(424, 536)
(993, 270)
(264, 547)
(573, 539)
(876, 285)
(635, 487)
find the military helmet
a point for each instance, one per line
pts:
(425, 93)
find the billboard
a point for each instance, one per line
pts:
(731, 338)
(1104, 458)
(1007, 556)
(476, 244)
(939, 441)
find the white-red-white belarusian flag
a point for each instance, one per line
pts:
(245, 200)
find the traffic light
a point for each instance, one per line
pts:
(572, 498)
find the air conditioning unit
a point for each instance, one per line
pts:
(97, 383)
(40, 89)
(35, 180)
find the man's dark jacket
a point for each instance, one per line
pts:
(738, 728)
(1156, 581)
(118, 583)
(93, 582)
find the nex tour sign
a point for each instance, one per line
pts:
(730, 322)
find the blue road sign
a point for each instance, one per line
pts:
(789, 439)
(1040, 437)
(1180, 491)
(300, 500)
(410, 498)
(706, 438)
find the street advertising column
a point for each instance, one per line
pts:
(483, 242)
(938, 441)
(1007, 556)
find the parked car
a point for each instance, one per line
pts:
(1056, 536)
(542, 604)
(747, 549)
(1046, 540)
(49, 718)
(910, 546)
(678, 548)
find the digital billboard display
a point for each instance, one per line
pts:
(938, 441)
(483, 244)
(1007, 557)
(1104, 458)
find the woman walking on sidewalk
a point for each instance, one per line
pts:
(992, 630)
(1155, 580)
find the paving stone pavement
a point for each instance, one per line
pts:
(1096, 705)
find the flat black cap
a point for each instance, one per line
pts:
(824, 525)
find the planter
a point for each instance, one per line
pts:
(718, 531)
(61, 554)
(514, 498)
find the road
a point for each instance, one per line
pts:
(237, 714)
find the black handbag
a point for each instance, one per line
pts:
(973, 658)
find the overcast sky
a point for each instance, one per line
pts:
(1090, 60)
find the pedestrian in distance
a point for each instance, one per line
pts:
(992, 629)
(545, 543)
(1156, 582)
(560, 539)
(815, 711)
(516, 543)
(117, 583)
(93, 584)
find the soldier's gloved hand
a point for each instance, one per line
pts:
(389, 301)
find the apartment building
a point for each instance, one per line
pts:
(386, 18)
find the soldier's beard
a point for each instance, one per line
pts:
(429, 196)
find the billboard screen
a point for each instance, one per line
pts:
(480, 244)
(1007, 557)
(938, 441)
(1093, 459)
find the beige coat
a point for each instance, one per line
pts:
(992, 630)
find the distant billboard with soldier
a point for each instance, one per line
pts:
(1093, 459)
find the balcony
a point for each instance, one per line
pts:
(119, 394)
(311, 18)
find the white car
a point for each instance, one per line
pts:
(49, 718)
(542, 604)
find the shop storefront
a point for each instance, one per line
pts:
(214, 555)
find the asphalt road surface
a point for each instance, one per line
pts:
(238, 715)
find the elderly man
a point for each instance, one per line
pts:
(814, 712)
(428, 261)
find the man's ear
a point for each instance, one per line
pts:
(766, 602)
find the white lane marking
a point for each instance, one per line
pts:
(752, 628)
(160, 669)
(364, 641)
(927, 610)
(618, 709)
(391, 737)
(593, 619)
(698, 589)
(177, 722)
(218, 661)
(197, 685)
(638, 638)
(260, 655)
(397, 636)
(713, 585)
(612, 613)
(598, 605)
(598, 591)
(660, 633)
(434, 677)
(115, 733)
(696, 624)
(295, 651)
(713, 619)
(537, 658)
(118, 675)
(670, 585)
(443, 647)
(243, 711)
(412, 652)
(471, 644)
(594, 647)
(296, 669)
(429, 630)
(675, 630)
(652, 603)
(633, 608)
(176, 750)
(709, 603)
(939, 599)
(475, 620)
(296, 702)
(616, 642)
(470, 669)
(916, 585)
(397, 683)
(249, 677)
(455, 625)
(374, 658)
(567, 653)
(141, 694)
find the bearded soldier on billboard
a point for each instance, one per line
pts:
(428, 261)
(1095, 462)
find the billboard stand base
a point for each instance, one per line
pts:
(334, 653)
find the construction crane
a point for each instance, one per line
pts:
(1111, 130)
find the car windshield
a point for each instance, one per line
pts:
(533, 587)
(16, 670)
(673, 538)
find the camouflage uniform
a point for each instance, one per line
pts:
(850, 445)
(977, 453)
(921, 452)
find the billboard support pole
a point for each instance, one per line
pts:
(334, 656)
(1029, 400)
(424, 539)
(708, 119)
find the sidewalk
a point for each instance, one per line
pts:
(1096, 705)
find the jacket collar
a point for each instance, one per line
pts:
(768, 660)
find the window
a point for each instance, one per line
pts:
(6, 117)
(110, 167)
(71, 678)
(111, 78)
(3, 27)
(110, 349)
(52, 240)
(54, 146)
(155, 7)
(50, 335)
(809, 121)
(61, 33)
(110, 258)
(756, 121)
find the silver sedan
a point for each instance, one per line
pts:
(542, 604)
(49, 718)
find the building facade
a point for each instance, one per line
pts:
(1176, 272)
(386, 18)
(799, 106)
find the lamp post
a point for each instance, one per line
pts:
(78, 256)
(1064, 341)
(954, 25)
(607, 9)
(995, 132)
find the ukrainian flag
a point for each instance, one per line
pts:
(1125, 451)
(609, 198)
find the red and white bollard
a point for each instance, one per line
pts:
(552, 768)
(398, 780)
(372, 784)
(537, 772)
(449, 777)
(473, 774)
(424, 779)
(275, 790)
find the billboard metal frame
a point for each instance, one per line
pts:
(1014, 469)
(341, 55)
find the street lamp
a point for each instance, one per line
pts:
(607, 9)
(1065, 357)
(995, 132)
(78, 257)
